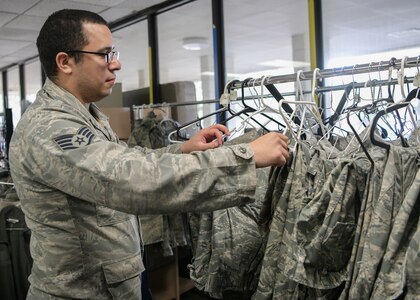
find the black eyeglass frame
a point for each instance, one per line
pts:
(109, 56)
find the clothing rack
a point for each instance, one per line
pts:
(326, 73)
(392, 64)
(325, 89)
(373, 83)
(165, 104)
(175, 104)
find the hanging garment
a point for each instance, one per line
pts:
(277, 190)
(15, 258)
(394, 272)
(411, 265)
(168, 231)
(314, 226)
(342, 227)
(285, 262)
(228, 245)
(399, 173)
(371, 192)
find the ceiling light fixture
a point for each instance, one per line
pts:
(194, 43)
(405, 33)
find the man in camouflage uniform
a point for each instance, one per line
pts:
(80, 187)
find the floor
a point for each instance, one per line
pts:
(194, 294)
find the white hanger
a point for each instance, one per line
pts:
(416, 80)
(261, 107)
(224, 100)
(315, 111)
(316, 73)
(313, 108)
(7, 183)
(370, 84)
(400, 77)
(380, 80)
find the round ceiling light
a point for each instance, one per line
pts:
(195, 43)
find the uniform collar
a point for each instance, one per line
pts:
(57, 92)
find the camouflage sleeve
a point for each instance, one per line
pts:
(133, 180)
(175, 149)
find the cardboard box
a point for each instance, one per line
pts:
(119, 119)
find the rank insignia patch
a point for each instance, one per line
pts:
(83, 137)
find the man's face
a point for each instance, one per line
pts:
(93, 76)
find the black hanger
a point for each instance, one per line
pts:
(392, 63)
(244, 111)
(413, 95)
(224, 109)
(340, 107)
(375, 120)
(287, 108)
(359, 139)
(372, 109)
(251, 109)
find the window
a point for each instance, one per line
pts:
(268, 37)
(1, 94)
(358, 32)
(186, 55)
(33, 81)
(185, 47)
(361, 32)
(14, 93)
(132, 42)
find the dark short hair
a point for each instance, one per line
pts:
(63, 31)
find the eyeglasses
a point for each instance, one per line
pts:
(109, 56)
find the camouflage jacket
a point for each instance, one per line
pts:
(80, 188)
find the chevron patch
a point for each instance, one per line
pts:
(83, 137)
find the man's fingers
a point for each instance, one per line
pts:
(221, 128)
(270, 150)
(219, 137)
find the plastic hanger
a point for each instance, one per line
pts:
(286, 107)
(414, 94)
(390, 70)
(262, 109)
(316, 74)
(401, 77)
(224, 101)
(359, 140)
(313, 110)
(375, 120)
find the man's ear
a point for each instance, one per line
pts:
(64, 62)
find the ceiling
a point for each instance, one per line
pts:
(21, 20)
(257, 33)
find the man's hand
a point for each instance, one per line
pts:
(207, 138)
(270, 150)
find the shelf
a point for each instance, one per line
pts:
(185, 285)
(163, 295)
(165, 282)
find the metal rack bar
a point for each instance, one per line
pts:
(341, 71)
(375, 83)
(174, 104)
